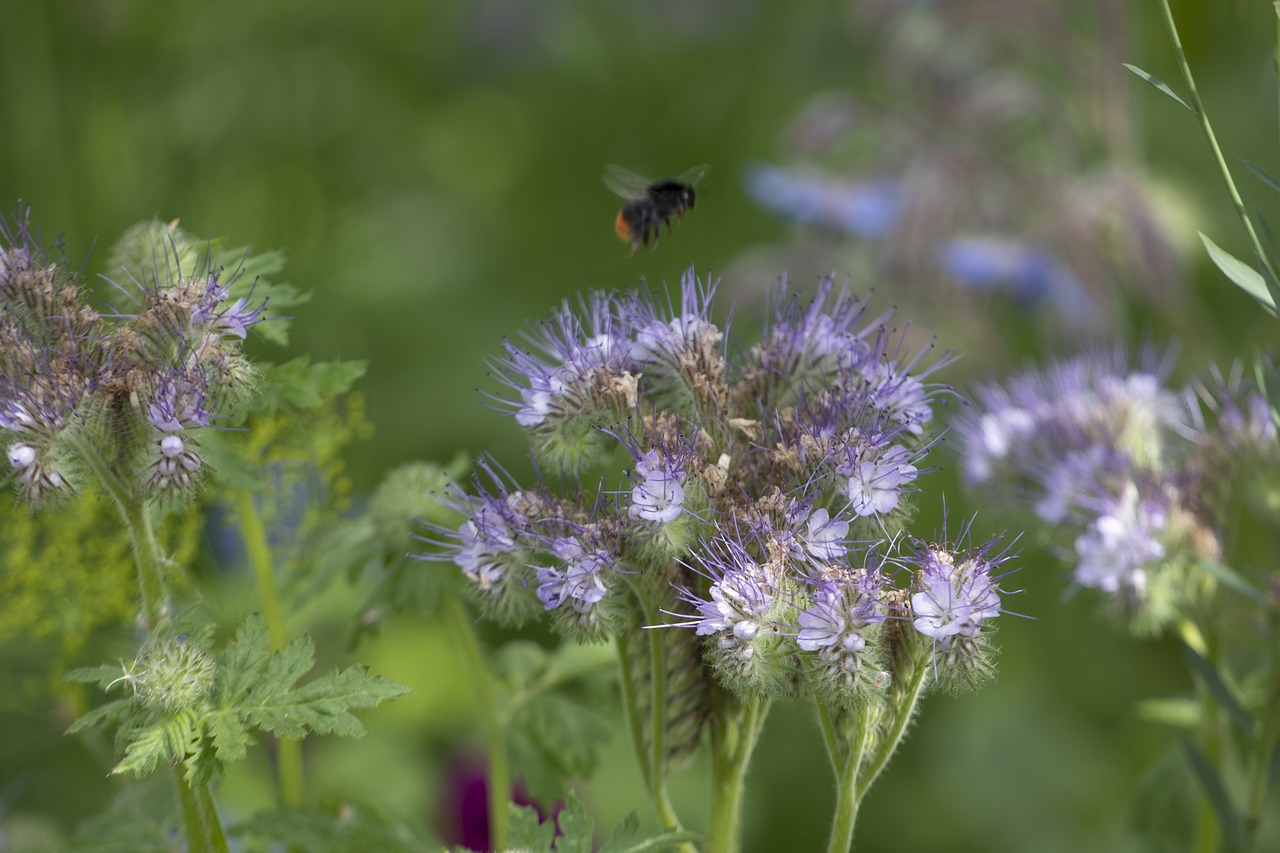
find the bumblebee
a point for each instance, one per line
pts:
(650, 204)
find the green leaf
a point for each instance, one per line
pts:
(112, 712)
(243, 661)
(231, 738)
(349, 828)
(1159, 84)
(322, 706)
(301, 385)
(1212, 679)
(1216, 792)
(557, 708)
(527, 832)
(1246, 277)
(166, 740)
(1233, 581)
(1264, 175)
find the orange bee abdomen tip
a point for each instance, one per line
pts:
(621, 228)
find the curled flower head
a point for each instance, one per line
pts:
(953, 598)
(579, 580)
(840, 624)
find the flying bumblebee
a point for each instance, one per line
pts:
(650, 204)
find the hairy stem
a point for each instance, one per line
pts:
(734, 733)
(499, 770)
(289, 756)
(851, 741)
(200, 817)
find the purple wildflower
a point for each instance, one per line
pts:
(841, 606)
(877, 479)
(579, 581)
(571, 363)
(659, 496)
(953, 598)
(824, 538)
(673, 335)
(741, 599)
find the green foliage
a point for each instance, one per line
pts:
(345, 828)
(530, 833)
(558, 707)
(67, 573)
(256, 690)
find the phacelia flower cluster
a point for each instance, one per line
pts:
(83, 391)
(1132, 471)
(757, 495)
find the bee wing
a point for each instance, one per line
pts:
(625, 182)
(692, 176)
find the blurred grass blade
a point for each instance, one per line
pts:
(1212, 679)
(1178, 713)
(1246, 277)
(1159, 84)
(1234, 581)
(1264, 175)
(1216, 792)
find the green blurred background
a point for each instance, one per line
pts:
(433, 172)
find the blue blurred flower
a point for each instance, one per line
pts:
(1028, 273)
(869, 209)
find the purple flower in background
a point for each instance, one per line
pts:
(869, 209)
(1117, 549)
(1028, 273)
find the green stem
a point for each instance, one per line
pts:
(1208, 828)
(905, 713)
(133, 511)
(634, 724)
(847, 760)
(1261, 757)
(200, 819)
(200, 816)
(657, 758)
(1185, 67)
(289, 755)
(733, 739)
(499, 771)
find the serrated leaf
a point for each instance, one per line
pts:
(301, 385)
(1159, 84)
(110, 712)
(1213, 680)
(322, 706)
(1233, 581)
(527, 831)
(1245, 277)
(167, 740)
(1216, 793)
(244, 660)
(231, 739)
(100, 675)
